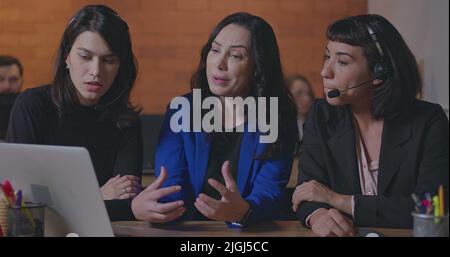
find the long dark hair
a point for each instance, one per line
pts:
(114, 30)
(268, 79)
(404, 83)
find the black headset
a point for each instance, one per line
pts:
(382, 68)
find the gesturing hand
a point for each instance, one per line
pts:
(145, 206)
(231, 207)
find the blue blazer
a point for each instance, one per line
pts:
(185, 155)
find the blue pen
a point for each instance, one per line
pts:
(19, 203)
(19, 198)
(418, 203)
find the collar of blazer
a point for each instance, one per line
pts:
(396, 131)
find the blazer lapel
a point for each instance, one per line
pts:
(201, 160)
(342, 146)
(246, 158)
(395, 132)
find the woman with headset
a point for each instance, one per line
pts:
(371, 143)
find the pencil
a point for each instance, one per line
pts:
(441, 200)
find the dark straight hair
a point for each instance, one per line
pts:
(114, 30)
(268, 79)
(404, 83)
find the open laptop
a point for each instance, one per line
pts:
(64, 179)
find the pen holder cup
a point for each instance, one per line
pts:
(26, 221)
(426, 225)
(4, 216)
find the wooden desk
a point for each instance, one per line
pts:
(220, 229)
(147, 179)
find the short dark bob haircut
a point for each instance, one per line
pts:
(404, 84)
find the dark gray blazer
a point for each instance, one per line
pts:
(413, 159)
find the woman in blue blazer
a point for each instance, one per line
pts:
(226, 176)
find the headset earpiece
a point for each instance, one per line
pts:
(381, 70)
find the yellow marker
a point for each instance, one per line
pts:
(441, 200)
(436, 205)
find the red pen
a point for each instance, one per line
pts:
(427, 205)
(7, 201)
(8, 191)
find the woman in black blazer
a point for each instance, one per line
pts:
(371, 144)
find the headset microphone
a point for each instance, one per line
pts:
(335, 92)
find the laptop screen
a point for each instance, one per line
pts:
(63, 178)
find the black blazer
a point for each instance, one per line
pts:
(413, 158)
